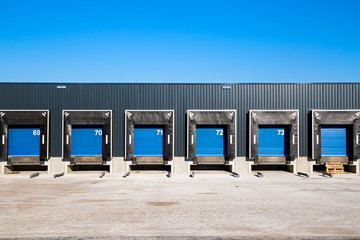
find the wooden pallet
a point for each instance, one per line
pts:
(334, 167)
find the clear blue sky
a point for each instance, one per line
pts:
(183, 41)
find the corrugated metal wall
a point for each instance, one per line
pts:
(179, 97)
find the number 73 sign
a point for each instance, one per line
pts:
(281, 132)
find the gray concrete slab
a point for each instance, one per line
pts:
(212, 204)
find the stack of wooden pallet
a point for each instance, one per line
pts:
(334, 167)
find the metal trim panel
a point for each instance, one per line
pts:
(335, 110)
(273, 110)
(312, 134)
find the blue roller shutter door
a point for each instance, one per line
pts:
(24, 141)
(210, 140)
(273, 141)
(148, 140)
(86, 141)
(334, 141)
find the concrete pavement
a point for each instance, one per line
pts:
(146, 205)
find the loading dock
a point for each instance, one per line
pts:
(210, 140)
(273, 136)
(211, 136)
(87, 136)
(148, 140)
(25, 136)
(23, 141)
(335, 136)
(335, 140)
(273, 140)
(86, 140)
(149, 136)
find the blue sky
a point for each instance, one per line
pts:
(183, 41)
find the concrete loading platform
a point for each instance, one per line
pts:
(178, 166)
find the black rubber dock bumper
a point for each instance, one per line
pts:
(327, 174)
(34, 175)
(58, 175)
(126, 174)
(303, 174)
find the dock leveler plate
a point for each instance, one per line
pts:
(335, 135)
(87, 136)
(273, 136)
(211, 136)
(149, 136)
(25, 136)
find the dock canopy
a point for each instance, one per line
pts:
(211, 136)
(335, 135)
(25, 136)
(87, 136)
(149, 136)
(273, 136)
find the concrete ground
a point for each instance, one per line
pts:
(212, 205)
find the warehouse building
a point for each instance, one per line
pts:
(118, 127)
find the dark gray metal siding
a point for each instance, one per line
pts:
(180, 97)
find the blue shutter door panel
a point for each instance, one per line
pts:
(272, 141)
(333, 141)
(24, 141)
(86, 141)
(210, 140)
(148, 141)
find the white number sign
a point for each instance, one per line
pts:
(36, 132)
(281, 132)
